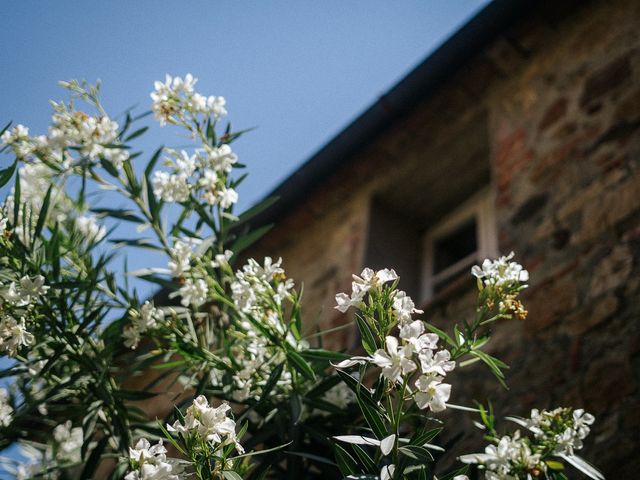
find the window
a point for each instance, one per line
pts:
(461, 239)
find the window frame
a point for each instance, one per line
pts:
(480, 205)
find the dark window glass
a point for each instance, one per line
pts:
(454, 246)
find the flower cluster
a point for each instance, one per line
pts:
(413, 352)
(150, 462)
(416, 352)
(367, 280)
(556, 433)
(90, 229)
(254, 282)
(35, 180)
(6, 410)
(564, 427)
(94, 136)
(211, 424)
(204, 174)
(510, 459)
(259, 291)
(501, 272)
(67, 442)
(176, 96)
(146, 318)
(17, 301)
(502, 280)
(194, 290)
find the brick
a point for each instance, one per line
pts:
(601, 82)
(607, 381)
(611, 272)
(553, 114)
(550, 302)
(604, 210)
(592, 315)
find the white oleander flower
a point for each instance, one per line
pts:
(361, 284)
(404, 308)
(13, 335)
(18, 139)
(3, 223)
(387, 472)
(221, 158)
(431, 393)
(209, 423)
(131, 337)
(501, 272)
(181, 254)
(436, 362)
(32, 287)
(171, 187)
(511, 453)
(228, 197)
(193, 292)
(150, 462)
(68, 442)
(221, 260)
(6, 411)
(146, 318)
(185, 163)
(88, 226)
(395, 361)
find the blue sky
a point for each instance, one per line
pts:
(299, 71)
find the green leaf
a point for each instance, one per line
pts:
(416, 452)
(42, 215)
(94, 459)
(271, 382)
(346, 463)
(109, 167)
(441, 334)
(127, 215)
(16, 201)
(7, 173)
(256, 209)
(131, 176)
(554, 465)
(249, 239)
(425, 437)
(367, 335)
(5, 128)
(140, 243)
(321, 354)
(368, 407)
(364, 458)
(262, 452)
(300, 364)
(152, 162)
(136, 134)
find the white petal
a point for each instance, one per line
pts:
(386, 445)
(358, 440)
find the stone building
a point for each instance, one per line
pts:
(519, 133)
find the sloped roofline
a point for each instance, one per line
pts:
(421, 82)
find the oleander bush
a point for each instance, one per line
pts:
(245, 387)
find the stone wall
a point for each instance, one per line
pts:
(561, 98)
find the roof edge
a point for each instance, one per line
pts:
(418, 84)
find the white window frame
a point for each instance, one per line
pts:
(480, 206)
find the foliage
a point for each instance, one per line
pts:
(90, 359)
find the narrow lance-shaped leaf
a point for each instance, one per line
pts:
(7, 173)
(42, 215)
